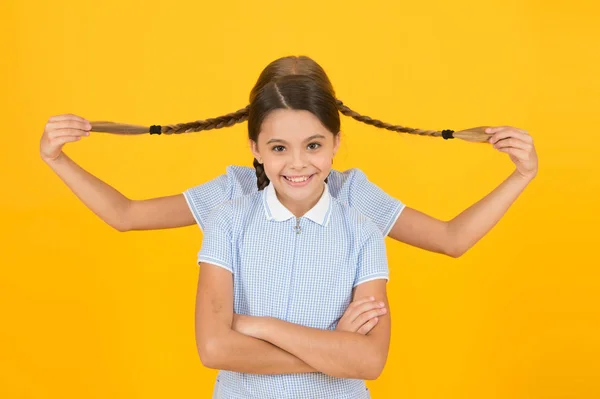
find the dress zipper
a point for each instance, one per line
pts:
(298, 229)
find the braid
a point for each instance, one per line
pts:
(211, 123)
(377, 123)
(474, 134)
(196, 126)
(262, 180)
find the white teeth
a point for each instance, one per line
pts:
(297, 179)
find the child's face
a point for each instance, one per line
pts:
(297, 152)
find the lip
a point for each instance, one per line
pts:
(298, 184)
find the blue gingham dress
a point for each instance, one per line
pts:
(301, 270)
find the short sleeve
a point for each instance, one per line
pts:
(372, 258)
(217, 244)
(370, 200)
(202, 199)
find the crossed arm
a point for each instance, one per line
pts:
(263, 345)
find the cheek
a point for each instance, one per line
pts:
(323, 161)
(274, 166)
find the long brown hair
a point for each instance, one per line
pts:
(285, 66)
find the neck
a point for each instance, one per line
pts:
(299, 208)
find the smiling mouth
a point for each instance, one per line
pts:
(298, 180)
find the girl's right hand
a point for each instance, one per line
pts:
(361, 316)
(59, 130)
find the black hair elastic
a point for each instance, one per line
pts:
(155, 129)
(447, 134)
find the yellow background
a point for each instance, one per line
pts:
(88, 312)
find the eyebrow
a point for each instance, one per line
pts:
(316, 136)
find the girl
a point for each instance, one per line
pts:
(287, 261)
(405, 224)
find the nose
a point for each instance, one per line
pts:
(297, 160)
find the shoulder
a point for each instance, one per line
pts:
(246, 201)
(348, 172)
(346, 176)
(240, 172)
(237, 207)
(353, 218)
(221, 215)
(343, 184)
(241, 179)
(236, 181)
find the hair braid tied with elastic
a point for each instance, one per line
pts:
(281, 68)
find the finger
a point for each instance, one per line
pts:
(357, 307)
(368, 326)
(65, 139)
(359, 302)
(362, 308)
(511, 127)
(349, 315)
(68, 124)
(518, 153)
(495, 129)
(500, 135)
(364, 317)
(66, 117)
(67, 132)
(503, 134)
(514, 143)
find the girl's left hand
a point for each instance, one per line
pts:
(518, 144)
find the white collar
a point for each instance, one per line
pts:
(274, 210)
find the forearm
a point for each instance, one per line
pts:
(102, 199)
(466, 229)
(233, 351)
(336, 353)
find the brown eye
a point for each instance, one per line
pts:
(278, 148)
(313, 146)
